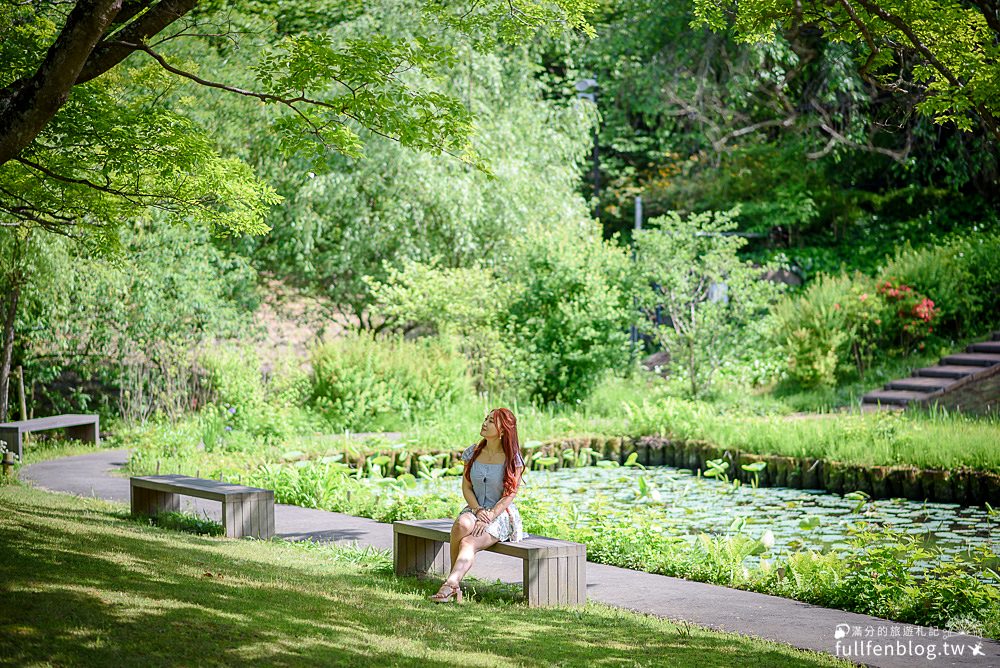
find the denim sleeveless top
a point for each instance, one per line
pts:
(487, 479)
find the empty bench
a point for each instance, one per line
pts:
(246, 511)
(554, 572)
(82, 427)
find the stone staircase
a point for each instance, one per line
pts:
(969, 380)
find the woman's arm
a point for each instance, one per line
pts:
(470, 496)
(505, 501)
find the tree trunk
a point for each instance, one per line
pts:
(27, 105)
(9, 311)
(79, 54)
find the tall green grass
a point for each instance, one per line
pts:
(925, 439)
(638, 406)
(367, 384)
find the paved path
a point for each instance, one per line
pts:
(781, 619)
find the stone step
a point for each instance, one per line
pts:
(892, 397)
(921, 383)
(973, 359)
(872, 408)
(947, 371)
(984, 347)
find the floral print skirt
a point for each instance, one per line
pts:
(506, 527)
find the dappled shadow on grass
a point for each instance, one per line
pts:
(84, 586)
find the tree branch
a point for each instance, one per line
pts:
(835, 136)
(110, 52)
(988, 119)
(915, 41)
(28, 104)
(990, 12)
(130, 9)
(873, 48)
(164, 201)
(289, 102)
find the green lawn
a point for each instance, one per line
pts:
(85, 585)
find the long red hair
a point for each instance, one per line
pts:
(506, 423)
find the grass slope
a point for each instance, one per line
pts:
(84, 585)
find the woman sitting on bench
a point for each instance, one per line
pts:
(492, 475)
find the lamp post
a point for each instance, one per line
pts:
(635, 299)
(587, 88)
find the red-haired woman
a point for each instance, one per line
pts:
(493, 468)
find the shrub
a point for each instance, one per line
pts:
(287, 380)
(362, 382)
(234, 381)
(912, 314)
(962, 278)
(823, 328)
(982, 255)
(680, 263)
(942, 275)
(570, 311)
(467, 303)
(546, 322)
(846, 322)
(245, 404)
(117, 337)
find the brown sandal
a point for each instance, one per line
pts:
(454, 595)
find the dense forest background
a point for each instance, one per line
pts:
(828, 168)
(526, 264)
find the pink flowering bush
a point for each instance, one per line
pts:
(844, 324)
(830, 329)
(913, 315)
(841, 324)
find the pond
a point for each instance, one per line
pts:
(684, 504)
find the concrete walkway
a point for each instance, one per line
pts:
(775, 618)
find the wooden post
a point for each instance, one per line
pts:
(8, 462)
(20, 391)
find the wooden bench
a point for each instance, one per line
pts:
(246, 511)
(82, 427)
(554, 571)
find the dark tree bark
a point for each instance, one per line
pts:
(28, 104)
(114, 49)
(8, 311)
(93, 41)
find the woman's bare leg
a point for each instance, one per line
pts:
(459, 530)
(466, 555)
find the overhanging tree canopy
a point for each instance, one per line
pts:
(84, 143)
(90, 138)
(946, 52)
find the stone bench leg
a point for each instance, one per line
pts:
(12, 437)
(151, 502)
(263, 525)
(249, 515)
(88, 433)
(412, 555)
(558, 580)
(232, 516)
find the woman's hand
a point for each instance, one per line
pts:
(485, 515)
(479, 528)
